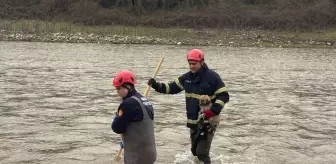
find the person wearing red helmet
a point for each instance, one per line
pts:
(134, 120)
(200, 80)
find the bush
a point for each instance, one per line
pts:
(264, 14)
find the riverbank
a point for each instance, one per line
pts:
(43, 31)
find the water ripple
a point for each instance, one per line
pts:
(57, 103)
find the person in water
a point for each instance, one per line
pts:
(199, 81)
(134, 120)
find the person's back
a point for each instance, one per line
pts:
(134, 121)
(139, 138)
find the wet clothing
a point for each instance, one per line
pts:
(204, 82)
(135, 121)
(200, 146)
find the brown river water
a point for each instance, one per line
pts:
(57, 103)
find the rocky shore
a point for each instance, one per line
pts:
(241, 41)
(82, 38)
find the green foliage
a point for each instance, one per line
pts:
(263, 14)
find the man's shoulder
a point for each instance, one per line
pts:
(129, 103)
(185, 75)
(132, 101)
(212, 74)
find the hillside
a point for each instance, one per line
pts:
(260, 14)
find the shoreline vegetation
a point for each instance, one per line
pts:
(238, 23)
(65, 32)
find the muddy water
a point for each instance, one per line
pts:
(57, 102)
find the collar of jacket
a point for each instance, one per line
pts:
(197, 75)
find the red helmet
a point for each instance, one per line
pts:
(195, 54)
(123, 77)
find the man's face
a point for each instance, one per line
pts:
(122, 91)
(194, 66)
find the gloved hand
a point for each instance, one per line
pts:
(213, 119)
(201, 116)
(207, 114)
(121, 144)
(152, 82)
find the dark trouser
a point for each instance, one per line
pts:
(201, 149)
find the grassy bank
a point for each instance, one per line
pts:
(33, 30)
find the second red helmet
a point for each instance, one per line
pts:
(124, 77)
(195, 54)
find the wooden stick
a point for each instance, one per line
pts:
(154, 75)
(118, 156)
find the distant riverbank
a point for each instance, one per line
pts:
(43, 31)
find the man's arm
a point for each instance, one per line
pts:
(123, 118)
(221, 95)
(173, 87)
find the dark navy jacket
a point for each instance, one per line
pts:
(204, 82)
(129, 111)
